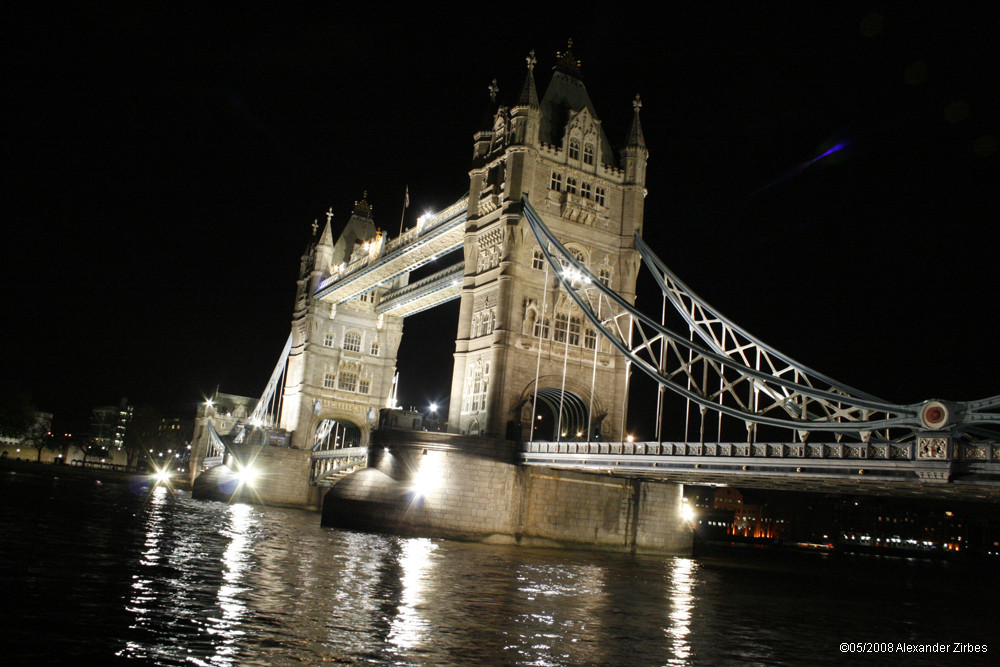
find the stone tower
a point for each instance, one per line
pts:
(343, 356)
(524, 355)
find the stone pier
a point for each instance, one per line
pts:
(446, 485)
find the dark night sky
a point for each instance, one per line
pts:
(165, 164)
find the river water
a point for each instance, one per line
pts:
(95, 572)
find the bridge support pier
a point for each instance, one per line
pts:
(282, 478)
(446, 485)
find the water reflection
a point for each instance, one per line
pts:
(230, 594)
(682, 581)
(410, 626)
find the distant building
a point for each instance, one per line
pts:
(108, 426)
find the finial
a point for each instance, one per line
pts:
(565, 60)
(315, 226)
(329, 215)
(363, 206)
(531, 60)
(637, 103)
(494, 89)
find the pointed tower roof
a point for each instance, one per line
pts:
(635, 138)
(326, 238)
(566, 96)
(529, 95)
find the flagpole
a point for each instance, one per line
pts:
(406, 203)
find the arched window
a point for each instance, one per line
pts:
(588, 154)
(374, 348)
(590, 339)
(599, 195)
(329, 381)
(352, 341)
(537, 259)
(585, 190)
(562, 325)
(571, 186)
(556, 182)
(574, 149)
(328, 339)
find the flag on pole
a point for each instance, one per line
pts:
(406, 201)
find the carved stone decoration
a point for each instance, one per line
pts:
(932, 448)
(975, 452)
(879, 451)
(897, 452)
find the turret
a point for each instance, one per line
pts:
(635, 155)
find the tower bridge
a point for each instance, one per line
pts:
(547, 339)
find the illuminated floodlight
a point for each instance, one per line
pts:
(161, 476)
(428, 477)
(246, 476)
(630, 438)
(687, 512)
(433, 407)
(424, 218)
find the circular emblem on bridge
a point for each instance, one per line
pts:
(935, 415)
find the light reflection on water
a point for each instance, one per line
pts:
(168, 580)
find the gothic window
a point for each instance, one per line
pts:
(562, 324)
(374, 348)
(328, 339)
(590, 339)
(585, 190)
(329, 381)
(574, 331)
(556, 182)
(541, 328)
(476, 320)
(348, 381)
(574, 149)
(588, 154)
(538, 259)
(476, 382)
(363, 385)
(605, 276)
(571, 185)
(352, 341)
(599, 195)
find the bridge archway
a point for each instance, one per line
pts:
(338, 433)
(559, 414)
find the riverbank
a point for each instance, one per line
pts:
(99, 472)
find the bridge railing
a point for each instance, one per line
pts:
(924, 449)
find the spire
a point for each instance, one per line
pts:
(494, 91)
(326, 239)
(635, 134)
(566, 63)
(529, 96)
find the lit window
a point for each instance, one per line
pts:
(329, 381)
(352, 341)
(348, 381)
(556, 182)
(538, 259)
(574, 149)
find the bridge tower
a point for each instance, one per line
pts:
(343, 357)
(524, 355)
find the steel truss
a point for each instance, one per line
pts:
(732, 373)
